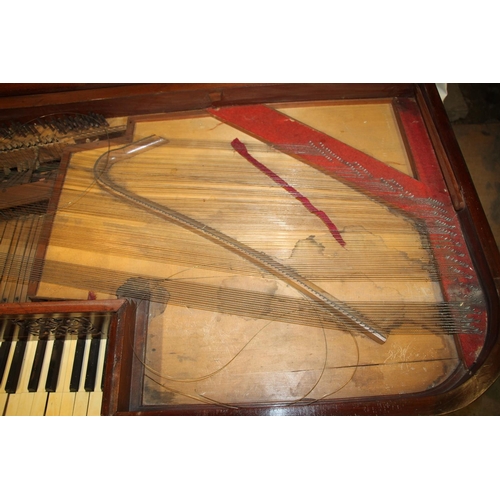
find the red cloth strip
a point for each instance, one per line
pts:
(326, 154)
(240, 148)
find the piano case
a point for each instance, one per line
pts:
(281, 249)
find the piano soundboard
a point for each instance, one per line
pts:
(305, 250)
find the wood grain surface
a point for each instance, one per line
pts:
(228, 333)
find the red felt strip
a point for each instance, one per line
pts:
(240, 148)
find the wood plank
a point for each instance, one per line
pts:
(24, 194)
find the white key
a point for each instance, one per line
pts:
(20, 402)
(54, 398)
(67, 397)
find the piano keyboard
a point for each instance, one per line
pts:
(54, 370)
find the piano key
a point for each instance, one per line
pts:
(20, 403)
(90, 376)
(95, 367)
(67, 397)
(15, 367)
(5, 348)
(55, 365)
(103, 371)
(41, 396)
(4, 355)
(4, 397)
(36, 369)
(82, 396)
(95, 400)
(105, 329)
(103, 378)
(81, 405)
(56, 396)
(77, 365)
(9, 354)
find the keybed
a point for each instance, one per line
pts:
(52, 365)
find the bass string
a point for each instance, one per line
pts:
(203, 170)
(366, 269)
(119, 220)
(216, 170)
(27, 250)
(306, 254)
(394, 265)
(15, 249)
(319, 272)
(163, 237)
(360, 243)
(205, 145)
(308, 258)
(390, 233)
(72, 275)
(435, 316)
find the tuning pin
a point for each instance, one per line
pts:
(61, 126)
(33, 128)
(78, 122)
(51, 124)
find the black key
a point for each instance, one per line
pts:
(4, 356)
(54, 365)
(92, 364)
(76, 372)
(17, 362)
(37, 365)
(104, 366)
(15, 367)
(5, 347)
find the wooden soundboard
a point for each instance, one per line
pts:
(285, 249)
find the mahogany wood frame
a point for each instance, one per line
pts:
(121, 397)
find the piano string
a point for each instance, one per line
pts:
(179, 284)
